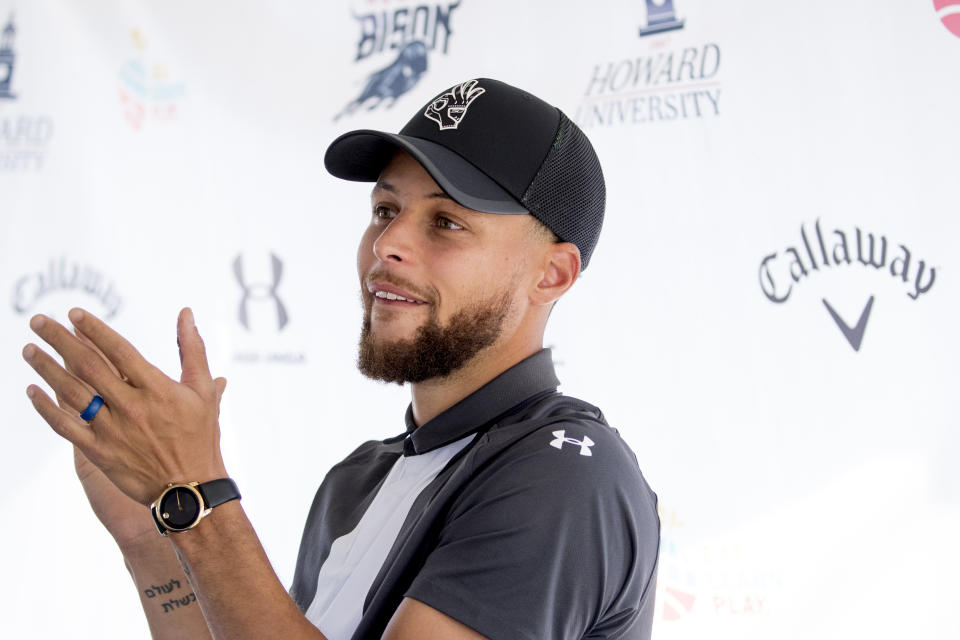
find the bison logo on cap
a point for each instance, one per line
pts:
(449, 109)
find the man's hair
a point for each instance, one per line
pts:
(539, 232)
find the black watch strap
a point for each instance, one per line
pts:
(216, 492)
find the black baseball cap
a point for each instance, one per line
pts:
(493, 148)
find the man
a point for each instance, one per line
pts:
(506, 510)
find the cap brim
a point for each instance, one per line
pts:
(362, 155)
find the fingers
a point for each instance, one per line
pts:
(127, 361)
(193, 353)
(64, 404)
(73, 393)
(70, 406)
(62, 401)
(81, 359)
(65, 424)
(87, 341)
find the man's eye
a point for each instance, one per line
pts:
(383, 213)
(447, 223)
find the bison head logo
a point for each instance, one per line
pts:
(449, 109)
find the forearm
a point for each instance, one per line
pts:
(237, 589)
(167, 596)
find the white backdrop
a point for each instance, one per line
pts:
(807, 489)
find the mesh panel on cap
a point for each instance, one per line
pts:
(568, 193)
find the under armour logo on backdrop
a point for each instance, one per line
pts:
(450, 108)
(260, 291)
(560, 438)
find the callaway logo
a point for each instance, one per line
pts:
(451, 107)
(854, 334)
(560, 438)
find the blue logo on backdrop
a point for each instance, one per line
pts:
(660, 17)
(23, 136)
(405, 36)
(7, 58)
(395, 80)
(671, 79)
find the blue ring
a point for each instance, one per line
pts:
(92, 409)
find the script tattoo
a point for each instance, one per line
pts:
(169, 605)
(154, 590)
(173, 603)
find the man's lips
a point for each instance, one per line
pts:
(404, 303)
(390, 294)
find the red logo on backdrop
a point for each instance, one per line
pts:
(676, 603)
(949, 12)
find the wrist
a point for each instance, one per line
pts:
(181, 506)
(146, 544)
(210, 532)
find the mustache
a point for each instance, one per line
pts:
(382, 275)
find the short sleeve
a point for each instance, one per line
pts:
(556, 536)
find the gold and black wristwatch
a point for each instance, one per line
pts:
(182, 505)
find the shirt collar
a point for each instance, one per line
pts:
(521, 381)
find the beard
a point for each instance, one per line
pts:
(435, 351)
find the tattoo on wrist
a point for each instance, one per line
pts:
(179, 602)
(155, 590)
(173, 603)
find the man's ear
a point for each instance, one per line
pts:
(560, 269)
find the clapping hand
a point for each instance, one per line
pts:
(151, 430)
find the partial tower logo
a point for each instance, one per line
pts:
(660, 17)
(7, 58)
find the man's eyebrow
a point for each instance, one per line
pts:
(383, 186)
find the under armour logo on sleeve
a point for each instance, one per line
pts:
(560, 438)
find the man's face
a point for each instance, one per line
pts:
(458, 273)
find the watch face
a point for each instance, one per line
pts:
(179, 508)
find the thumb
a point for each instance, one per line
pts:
(193, 353)
(82, 464)
(221, 384)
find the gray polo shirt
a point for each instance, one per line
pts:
(518, 511)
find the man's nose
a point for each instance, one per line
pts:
(397, 242)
